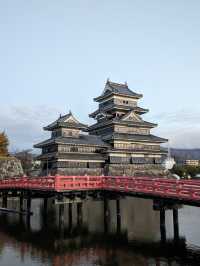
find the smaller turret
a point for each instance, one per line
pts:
(66, 126)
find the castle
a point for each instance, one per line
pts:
(119, 143)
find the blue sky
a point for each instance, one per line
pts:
(57, 55)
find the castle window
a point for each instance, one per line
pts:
(74, 149)
(54, 134)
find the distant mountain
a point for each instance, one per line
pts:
(186, 154)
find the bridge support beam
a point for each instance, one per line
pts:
(45, 204)
(28, 209)
(118, 216)
(70, 216)
(21, 200)
(162, 225)
(4, 199)
(106, 215)
(79, 213)
(44, 212)
(61, 217)
(28, 204)
(176, 224)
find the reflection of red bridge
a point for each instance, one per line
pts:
(184, 191)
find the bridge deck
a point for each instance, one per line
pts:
(182, 190)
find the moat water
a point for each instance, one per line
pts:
(45, 240)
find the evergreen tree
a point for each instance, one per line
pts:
(3, 144)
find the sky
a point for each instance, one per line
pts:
(56, 56)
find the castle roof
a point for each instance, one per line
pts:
(133, 137)
(122, 89)
(118, 121)
(66, 121)
(137, 151)
(136, 109)
(88, 140)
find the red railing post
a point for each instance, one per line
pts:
(57, 182)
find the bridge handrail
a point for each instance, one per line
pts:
(183, 189)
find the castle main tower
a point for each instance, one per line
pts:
(133, 149)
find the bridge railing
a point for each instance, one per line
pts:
(63, 183)
(183, 189)
(57, 183)
(45, 183)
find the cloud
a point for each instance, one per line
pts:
(24, 124)
(187, 117)
(187, 138)
(181, 127)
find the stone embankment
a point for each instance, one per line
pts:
(10, 167)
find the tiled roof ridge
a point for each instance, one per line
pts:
(66, 116)
(81, 140)
(136, 108)
(117, 84)
(136, 136)
(62, 116)
(60, 121)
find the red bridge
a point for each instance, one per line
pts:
(182, 191)
(166, 194)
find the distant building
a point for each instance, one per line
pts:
(118, 143)
(192, 162)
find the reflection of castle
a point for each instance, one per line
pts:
(119, 142)
(46, 248)
(98, 254)
(56, 241)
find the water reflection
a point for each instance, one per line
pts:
(82, 235)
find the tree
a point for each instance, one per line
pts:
(186, 170)
(3, 144)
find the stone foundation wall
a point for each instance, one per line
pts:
(75, 171)
(10, 167)
(113, 170)
(135, 170)
(81, 171)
